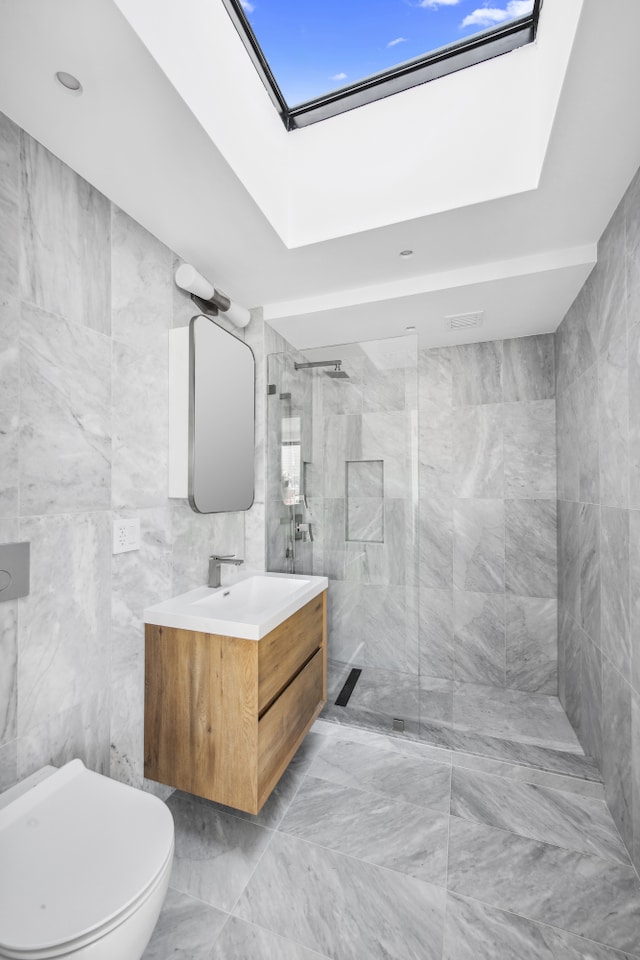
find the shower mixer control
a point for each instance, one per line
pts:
(304, 532)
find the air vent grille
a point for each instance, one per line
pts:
(460, 321)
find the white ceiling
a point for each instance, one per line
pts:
(500, 178)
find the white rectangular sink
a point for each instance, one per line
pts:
(249, 608)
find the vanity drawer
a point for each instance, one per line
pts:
(284, 725)
(283, 650)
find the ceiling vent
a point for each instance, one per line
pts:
(460, 321)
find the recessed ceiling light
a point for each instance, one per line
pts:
(69, 82)
(406, 253)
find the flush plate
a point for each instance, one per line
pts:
(14, 570)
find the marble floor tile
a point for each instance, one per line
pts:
(564, 762)
(538, 812)
(393, 834)
(385, 772)
(186, 930)
(215, 853)
(531, 718)
(341, 907)
(245, 941)
(524, 774)
(387, 692)
(475, 931)
(581, 894)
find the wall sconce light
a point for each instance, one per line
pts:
(209, 300)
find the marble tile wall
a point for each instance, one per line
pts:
(87, 300)
(487, 531)
(598, 397)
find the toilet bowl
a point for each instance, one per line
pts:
(84, 866)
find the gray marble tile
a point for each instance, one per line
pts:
(578, 454)
(195, 536)
(365, 520)
(332, 538)
(475, 931)
(436, 633)
(345, 633)
(8, 764)
(478, 462)
(342, 907)
(391, 639)
(540, 813)
(477, 373)
(142, 296)
(530, 718)
(616, 749)
(436, 542)
(389, 740)
(391, 562)
(634, 412)
(530, 548)
(530, 450)
(344, 396)
(479, 545)
(277, 804)
(365, 479)
(532, 644)
(140, 423)
(528, 368)
(9, 206)
(382, 390)
(215, 853)
(576, 349)
(9, 401)
(479, 637)
(567, 763)
(65, 454)
(400, 836)
(240, 940)
(543, 882)
(614, 587)
(635, 778)
(64, 622)
(186, 929)
(79, 731)
(65, 238)
(611, 281)
(589, 569)
(387, 436)
(590, 694)
(8, 669)
(387, 692)
(634, 596)
(613, 386)
(384, 771)
(435, 428)
(632, 251)
(524, 774)
(342, 442)
(436, 699)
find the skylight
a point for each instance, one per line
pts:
(321, 57)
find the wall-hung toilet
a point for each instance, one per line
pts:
(84, 866)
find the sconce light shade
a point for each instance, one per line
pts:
(188, 278)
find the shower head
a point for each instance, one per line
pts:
(336, 374)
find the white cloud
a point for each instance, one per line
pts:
(434, 4)
(490, 16)
(338, 76)
(246, 6)
(394, 43)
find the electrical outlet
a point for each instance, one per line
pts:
(126, 535)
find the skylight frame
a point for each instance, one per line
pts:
(438, 63)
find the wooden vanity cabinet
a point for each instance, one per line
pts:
(223, 716)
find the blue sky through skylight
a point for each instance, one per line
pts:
(317, 46)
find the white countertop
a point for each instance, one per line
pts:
(249, 608)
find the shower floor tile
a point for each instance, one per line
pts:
(494, 722)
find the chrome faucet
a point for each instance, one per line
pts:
(214, 567)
